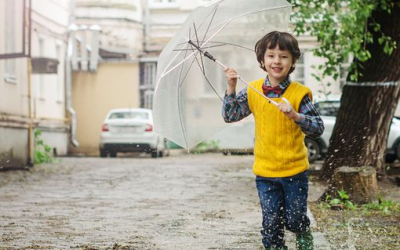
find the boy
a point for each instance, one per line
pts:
(281, 163)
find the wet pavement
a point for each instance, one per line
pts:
(183, 201)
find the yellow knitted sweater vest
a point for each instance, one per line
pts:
(279, 144)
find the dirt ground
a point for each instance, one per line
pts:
(184, 201)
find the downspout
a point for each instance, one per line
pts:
(68, 75)
(31, 139)
(147, 26)
(68, 90)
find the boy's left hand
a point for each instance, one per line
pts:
(287, 109)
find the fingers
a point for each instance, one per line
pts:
(231, 73)
(286, 100)
(284, 107)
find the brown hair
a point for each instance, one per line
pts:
(284, 40)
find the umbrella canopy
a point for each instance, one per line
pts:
(190, 88)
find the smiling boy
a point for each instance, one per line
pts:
(280, 156)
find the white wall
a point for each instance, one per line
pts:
(50, 20)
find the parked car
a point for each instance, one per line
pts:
(130, 130)
(328, 108)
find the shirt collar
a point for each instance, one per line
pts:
(283, 85)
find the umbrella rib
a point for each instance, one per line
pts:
(238, 16)
(219, 45)
(185, 59)
(203, 69)
(209, 24)
(201, 58)
(180, 83)
(208, 81)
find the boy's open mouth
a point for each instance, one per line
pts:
(277, 69)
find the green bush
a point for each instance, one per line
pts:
(206, 146)
(42, 151)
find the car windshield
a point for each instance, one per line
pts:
(328, 108)
(129, 115)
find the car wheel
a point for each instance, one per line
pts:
(154, 153)
(390, 158)
(397, 154)
(161, 154)
(103, 154)
(113, 154)
(313, 149)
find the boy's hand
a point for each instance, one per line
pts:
(231, 77)
(287, 109)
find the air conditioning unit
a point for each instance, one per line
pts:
(42, 65)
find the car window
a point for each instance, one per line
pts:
(328, 108)
(129, 115)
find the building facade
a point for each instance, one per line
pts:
(50, 21)
(115, 28)
(32, 85)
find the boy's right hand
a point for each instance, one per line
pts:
(231, 77)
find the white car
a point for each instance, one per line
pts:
(130, 130)
(328, 108)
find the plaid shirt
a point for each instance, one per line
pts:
(236, 107)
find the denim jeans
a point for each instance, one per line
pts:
(283, 204)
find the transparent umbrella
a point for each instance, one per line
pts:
(190, 79)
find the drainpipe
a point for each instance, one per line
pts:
(31, 139)
(68, 82)
(146, 26)
(68, 74)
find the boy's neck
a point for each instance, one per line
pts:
(274, 82)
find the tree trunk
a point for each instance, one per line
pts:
(360, 134)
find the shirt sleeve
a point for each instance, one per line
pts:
(310, 123)
(235, 107)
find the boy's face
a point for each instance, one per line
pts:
(278, 64)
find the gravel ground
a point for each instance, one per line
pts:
(178, 202)
(184, 201)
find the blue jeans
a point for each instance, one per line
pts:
(283, 204)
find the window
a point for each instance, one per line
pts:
(129, 115)
(148, 99)
(298, 74)
(148, 73)
(10, 65)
